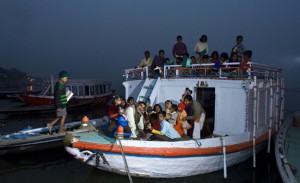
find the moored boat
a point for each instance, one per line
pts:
(29, 140)
(243, 111)
(85, 90)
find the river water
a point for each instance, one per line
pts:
(57, 166)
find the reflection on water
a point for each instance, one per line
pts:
(57, 166)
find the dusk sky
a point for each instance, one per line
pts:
(98, 39)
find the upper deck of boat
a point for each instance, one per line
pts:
(228, 71)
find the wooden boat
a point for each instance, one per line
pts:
(36, 139)
(243, 111)
(83, 91)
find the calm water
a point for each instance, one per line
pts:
(57, 166)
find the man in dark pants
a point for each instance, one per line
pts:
(195, 116)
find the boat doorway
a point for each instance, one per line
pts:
(206, 97)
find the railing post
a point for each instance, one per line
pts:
(146, 71)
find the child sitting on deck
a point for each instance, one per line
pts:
(245, 63)
(166, 133)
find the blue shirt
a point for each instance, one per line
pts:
(167, 129)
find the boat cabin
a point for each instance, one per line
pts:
(235, 100)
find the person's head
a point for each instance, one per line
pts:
(224, 56)
(179, 39)
(140, 106)
(193, 58)
(64, 76)
(203, 39)
(153, 118)
(247, 54)
(174, 108)
(179, 60)
(123, 102)
(117, 100)
(161, 116)
(157, 108)
(188, 100)
(188, 91)
(147, 54)
(181, 107)
(215, 55)
(234, 57)
(161, 53)
(147, 102)
(186, 55)
(239, 39)
(130, 100)
(204, 59)
(168, 104)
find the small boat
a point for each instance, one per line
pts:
(29, 140)
(287, 149)
(86, 90)
(243, 112)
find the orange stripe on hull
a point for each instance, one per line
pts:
(170, 152)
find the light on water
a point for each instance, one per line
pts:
(56, 165)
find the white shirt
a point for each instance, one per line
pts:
(133, 125)
(146, 62)
(200, 46)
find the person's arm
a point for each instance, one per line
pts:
(185, 49)
(141, 63)
(198, 110)
(57, 95)
(174, 51)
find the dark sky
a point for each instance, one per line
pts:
(99, 38)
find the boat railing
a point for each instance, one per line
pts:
(227, 70)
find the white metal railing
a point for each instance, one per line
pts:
(227, 70)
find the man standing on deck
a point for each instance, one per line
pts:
(147, 60)
(60, 102)
(179, 48)
(196, 116)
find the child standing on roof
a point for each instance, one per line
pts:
(60, 102)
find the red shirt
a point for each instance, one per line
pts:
(113, 109)
(156, 126)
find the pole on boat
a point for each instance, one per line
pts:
(52, 84)
(271, 118)
(224, 157)
(120, 136)
(254, 121)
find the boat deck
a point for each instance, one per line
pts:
(293, 142)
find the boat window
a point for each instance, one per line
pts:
(92, 90)
(206, 97)
(97, 89)
(86, 90)
(74, 90)
(101, 89)
(104, 88)
(80, 90)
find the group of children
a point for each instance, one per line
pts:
(174, 115)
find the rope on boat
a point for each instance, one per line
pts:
(224, 157)
(125, 162)
(120, 136)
